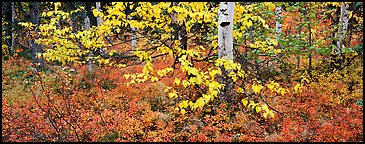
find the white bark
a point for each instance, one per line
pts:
(87, 27)
(12, 20)
(225, 26)
(345, 21)
(225, 44)
(278, 25)
(134, 38)
(98, 23)
(98, 19)
(343, 24)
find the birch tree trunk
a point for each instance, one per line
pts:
(91, 55)
(35, 18)
(134, 38)
(345, 22)
(225, 41)
(98, 23)
(278, 25)
(12, 28)
(98, 19)
(342, 26)
(89, 21)
(89, 13)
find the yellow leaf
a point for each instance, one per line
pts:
(252, 104)
(185, 83)
(265, 115)
(132, 82)
(184, 104)
(121, 65)
(177, 81)
(271, 113)
(276, 51)
(249, 24)
(191, 103)
(244, 101)
(281, 91)
(240, 90)
(117, 29)
(207, 97)
(182, 111)
(200, 102)
(154, 79)
(167, 89)
(126, 76)
(265, 107)
(258, 109)
(257, 88)
(173, 94)
(297, 87)
(193, 71)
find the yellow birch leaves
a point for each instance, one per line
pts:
(257, 88)
(257, 107)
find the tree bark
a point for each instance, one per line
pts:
(35, 19)
(225, 41)
(91, 55)
(343, 24)
(7, 9)
(13, 24)
(180, 32)
(134, 38)
(89, 21)
(351, 21)
(278, 25)
(98, 22)
(89, 13)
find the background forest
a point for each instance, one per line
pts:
(182, 71)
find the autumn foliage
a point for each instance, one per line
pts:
(166, 93)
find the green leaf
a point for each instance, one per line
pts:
(357, 4)
(359, 102)
(312, 48)
(322, 51)
(308, 52)
(316, 23)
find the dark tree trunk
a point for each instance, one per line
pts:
(89, 13)
(35, 19)
(8, 19)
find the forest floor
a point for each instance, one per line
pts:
(67, 104)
